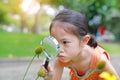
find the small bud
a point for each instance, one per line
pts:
(39, 49)
(101, 65)
(41, 73)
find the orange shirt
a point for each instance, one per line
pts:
(92, 75)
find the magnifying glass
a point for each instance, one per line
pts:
(51, 47)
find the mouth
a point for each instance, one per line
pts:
(60, 56)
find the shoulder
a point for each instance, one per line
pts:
(103, 53)
(98, 55)
(104, 56)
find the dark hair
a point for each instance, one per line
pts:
(78, 20)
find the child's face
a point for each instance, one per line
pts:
(70, 44)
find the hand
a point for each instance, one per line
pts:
(45, 73)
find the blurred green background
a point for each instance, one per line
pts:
(19, 44)
(24, 23)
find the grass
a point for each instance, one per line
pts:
(23, 45)
(18, 44)
(112, 48)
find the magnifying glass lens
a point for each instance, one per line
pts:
(51, 46)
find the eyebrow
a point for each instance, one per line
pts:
(62, 39)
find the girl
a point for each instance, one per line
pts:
(78, 50)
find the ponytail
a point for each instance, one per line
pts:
(92, 42)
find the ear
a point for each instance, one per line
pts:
(86, 39)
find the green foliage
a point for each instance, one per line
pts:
(15, 6)
(4, 15)
(100, 8)
(19, 44)
(45, 20)
(91, 8)
(51, 2)
(114, 27)
(7, 9)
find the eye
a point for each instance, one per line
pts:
(65, 42)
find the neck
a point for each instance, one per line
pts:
(83, 59)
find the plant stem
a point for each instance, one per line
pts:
(37, 77)
(28, 67)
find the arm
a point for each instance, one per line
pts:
(54, 71)
(109, 66)
(57, 70)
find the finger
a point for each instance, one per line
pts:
(48, 76)
(48, 67)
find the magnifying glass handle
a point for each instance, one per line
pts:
(46, 63)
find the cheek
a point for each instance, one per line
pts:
(74, 51)
(77, 49)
